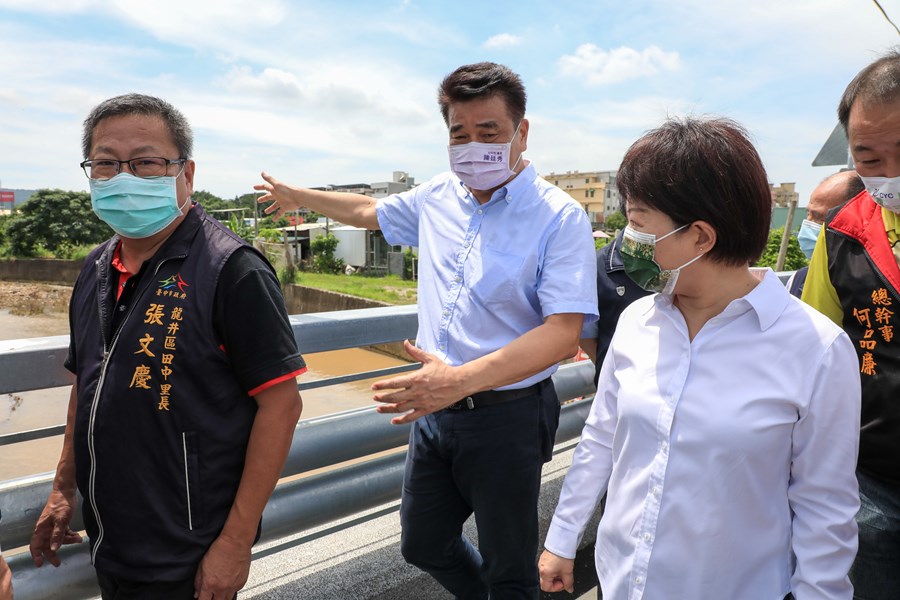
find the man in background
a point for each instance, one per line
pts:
(854, 279)
(834, 191)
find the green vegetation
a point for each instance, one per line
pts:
(410, 264)
(794, 259)
(323, 248)
(53, 223)
(615, 221)
(600, 242)
(391, 289)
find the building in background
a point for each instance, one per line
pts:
(360, 248)
(782, 196)
(11, 198)
(596, 191)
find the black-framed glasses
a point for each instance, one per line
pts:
(146, 167)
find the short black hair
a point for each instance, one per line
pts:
(140, 104)
(707, 169)
(855, 186)
(483, 80)
(878, 83)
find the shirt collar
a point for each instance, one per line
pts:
(767, 300)
(117, 263)
(518, 186)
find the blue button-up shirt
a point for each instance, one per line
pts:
(489, 273)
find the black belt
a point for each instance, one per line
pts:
(486, 398)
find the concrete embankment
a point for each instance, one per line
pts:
(298, 299)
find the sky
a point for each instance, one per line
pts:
(339, 92)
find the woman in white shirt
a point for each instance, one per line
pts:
(726, 422)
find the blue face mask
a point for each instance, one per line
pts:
(809, 233)
(134, 207)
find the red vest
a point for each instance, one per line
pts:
(864, 271)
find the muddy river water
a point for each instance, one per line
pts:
(41, 408)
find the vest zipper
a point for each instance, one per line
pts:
(103, 365)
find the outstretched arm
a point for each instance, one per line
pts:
(351, 209)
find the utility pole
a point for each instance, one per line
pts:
(782, 251)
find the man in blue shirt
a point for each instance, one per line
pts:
(506, 281)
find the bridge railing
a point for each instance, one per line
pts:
(298, 503)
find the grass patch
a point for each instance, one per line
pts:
(391, 289)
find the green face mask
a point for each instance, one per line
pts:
(639, 260)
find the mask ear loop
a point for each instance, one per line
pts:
(515, 133)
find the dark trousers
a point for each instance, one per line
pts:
(876, 571)
(488, 462)
(116, 588)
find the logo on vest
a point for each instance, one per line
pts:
(173, 286)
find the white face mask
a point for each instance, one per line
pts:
(885, 191)
(483, 166)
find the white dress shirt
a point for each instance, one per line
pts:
(729, 460)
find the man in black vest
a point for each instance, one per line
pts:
(185, 399)
(854, 278)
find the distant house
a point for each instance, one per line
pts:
(357, 247)
(595, 191)
(782, 197)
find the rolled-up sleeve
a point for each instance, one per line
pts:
(398, 215)
(568, 279)
(823, 490)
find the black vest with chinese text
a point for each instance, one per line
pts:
(162, 424)
(864, 272)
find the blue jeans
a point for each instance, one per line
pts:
(488, 462)
(876, 572)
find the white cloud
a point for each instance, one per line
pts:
(272, 82)
(49, 6)
(502, 40)
(599, 67)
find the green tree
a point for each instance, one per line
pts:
(323, 248)
(793, 260)
(615, 221)
(56, 221)
(210, 201)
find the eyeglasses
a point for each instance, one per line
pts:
(146, 167)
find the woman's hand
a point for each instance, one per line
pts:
(556, 573)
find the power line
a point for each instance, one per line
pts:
(886, 17)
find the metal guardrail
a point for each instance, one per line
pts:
(296, 505)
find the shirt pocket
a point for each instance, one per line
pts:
(496, 277)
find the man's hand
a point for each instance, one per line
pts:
(435, 386)
(223, 571)
(52, 528)
(281, 196)
(556, 573)
(6, 591)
